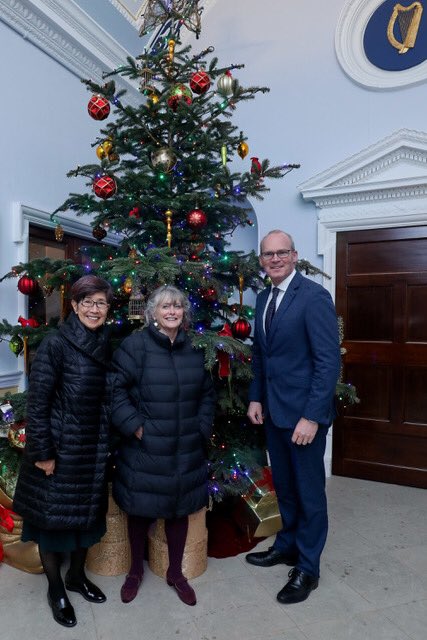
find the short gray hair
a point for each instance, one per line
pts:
(171, 294)
(285, 233)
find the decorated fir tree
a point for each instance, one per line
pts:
(164, 186)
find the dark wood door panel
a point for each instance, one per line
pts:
(382, 296)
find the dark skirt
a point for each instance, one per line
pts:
(63, 540)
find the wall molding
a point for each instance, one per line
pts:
(349, 32)
(68, 35)
(382, 186)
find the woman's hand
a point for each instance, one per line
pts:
(139, 433)
(48, 466)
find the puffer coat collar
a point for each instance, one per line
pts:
(93, 343)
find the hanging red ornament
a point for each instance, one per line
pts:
(135, 213)
(200, 82)
(99, 233)
(197, 219)
(27, 285)
(256, 165)
(98, 107)
(209, 294)
(179, 93)
(224, 369)
(105, 187)
(28, 322)
(241, 329)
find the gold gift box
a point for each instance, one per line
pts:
(257, 513)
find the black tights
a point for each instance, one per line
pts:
(52, 560)
(176, 535)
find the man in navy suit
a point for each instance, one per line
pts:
(296, 363)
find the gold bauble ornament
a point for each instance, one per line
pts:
(107, 145)
(242, 149)
(127, 285)
(100, 152)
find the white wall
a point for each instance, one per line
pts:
(314, 114)
(45, 131)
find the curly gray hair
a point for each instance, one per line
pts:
(168, 293)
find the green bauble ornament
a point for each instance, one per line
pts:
(16, 345)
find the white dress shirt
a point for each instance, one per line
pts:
(282, 290)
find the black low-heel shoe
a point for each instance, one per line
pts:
(62, 611)
(87, 589)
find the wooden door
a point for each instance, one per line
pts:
(382, 297)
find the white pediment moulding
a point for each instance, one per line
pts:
(24, 215)
(349, 49)
(382, 186)
(67, 34)
(10, 379)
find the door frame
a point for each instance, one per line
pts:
(382, 186)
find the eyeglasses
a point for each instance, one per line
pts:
(282, 253)
(87, 303)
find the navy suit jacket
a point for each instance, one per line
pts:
(297, 367)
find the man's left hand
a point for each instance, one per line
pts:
(304, 432)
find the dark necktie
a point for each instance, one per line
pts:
(271, 310)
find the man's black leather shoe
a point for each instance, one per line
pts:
(87, 589)
(298, 588)
(269, 558)
(62, 611)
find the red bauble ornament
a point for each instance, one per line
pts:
(27, 285)
(197, 219)
(98, 107)
(99, 233)
(28, 322)
(135, 213)
(241, 329)
(200, 82)
(178, 93)
(208, 294)
(105, 187)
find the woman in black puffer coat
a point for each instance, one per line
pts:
(61, 491)
(163, 405)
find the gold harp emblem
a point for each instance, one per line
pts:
(409, 21)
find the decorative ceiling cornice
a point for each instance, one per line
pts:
(67, 34)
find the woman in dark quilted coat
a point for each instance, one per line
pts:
(163, 405)
(61, 491)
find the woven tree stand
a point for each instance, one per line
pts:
(195, 558)
(111, 555)
(21, 555)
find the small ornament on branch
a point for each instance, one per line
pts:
(28, 322)
(197, 219)
(179, 93)
(16, 345)
(135, 213)
(241, 329)
(98, 107)
(226, 84)
(59, 233)
(27, 285)
(256, 166)
(163, 159)
(99, 232)
(168, 215)
(200, 82)
(242, 149)
(104, 186)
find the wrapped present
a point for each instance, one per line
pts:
(10, 461)
(195, 559)
(257, 512)
(111, 555)
(21, 555)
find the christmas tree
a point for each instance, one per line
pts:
(165, 187)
